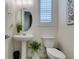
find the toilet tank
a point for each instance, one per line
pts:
(49, 42)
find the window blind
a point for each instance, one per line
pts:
(45, 10)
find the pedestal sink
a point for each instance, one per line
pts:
(23, 39)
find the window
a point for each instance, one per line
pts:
(45, 11)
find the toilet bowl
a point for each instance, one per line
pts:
(52, 52)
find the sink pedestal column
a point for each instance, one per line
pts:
(23, 52)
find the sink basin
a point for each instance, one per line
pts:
(23, 37)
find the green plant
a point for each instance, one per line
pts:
(35, 46)
(19, 28)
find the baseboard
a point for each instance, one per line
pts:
(40, 57)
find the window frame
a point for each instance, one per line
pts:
(46, 23)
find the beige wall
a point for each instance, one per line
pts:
(9, 28)
(65, 32)
(9, 17)
(42, 30)
(9, 48)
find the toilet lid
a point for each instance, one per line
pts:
(56, 53)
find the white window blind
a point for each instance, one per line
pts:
(45, 11)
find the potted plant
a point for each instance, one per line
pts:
(18, 27)
(35, 46)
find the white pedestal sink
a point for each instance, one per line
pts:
(24, 39)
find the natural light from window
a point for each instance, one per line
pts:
(45, 11)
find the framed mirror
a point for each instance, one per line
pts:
(27, 20)
(24, 18)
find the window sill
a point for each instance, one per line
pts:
(46, 24)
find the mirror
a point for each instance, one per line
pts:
(27, 20)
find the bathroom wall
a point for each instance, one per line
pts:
(9, 17)
(9, 48)
(37, 30)
(65, 32)
(42, 30)
(9, 28)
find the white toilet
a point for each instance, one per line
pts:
(52, 52)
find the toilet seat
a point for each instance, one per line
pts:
(56, 53)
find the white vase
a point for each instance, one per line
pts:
(35, 56)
